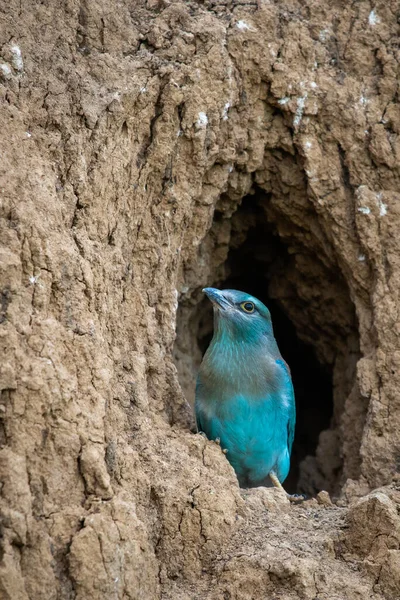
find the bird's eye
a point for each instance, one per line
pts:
(248, 307)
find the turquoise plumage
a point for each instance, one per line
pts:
(244, 392)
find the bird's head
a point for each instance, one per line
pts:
(239, 316)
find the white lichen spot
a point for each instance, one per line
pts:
(143, 90)
(307, 145)
(176, 296)
(361, 257)
(5, 71)
(323, 35)
(28, 134)
(202, 119)
(243, 26)
(313, 85)
(33, 279)
(360, 189)
(311, 174)
(16, 59)
(301, 102)
(382, 207)
(363, 100)
(364, 210)
(180, 133)
(373, 18)
(284, 100)
(225, 111)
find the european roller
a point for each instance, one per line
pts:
(244, 392)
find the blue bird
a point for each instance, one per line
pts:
(244, 392)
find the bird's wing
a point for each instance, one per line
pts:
(291, 409)
(290, 428)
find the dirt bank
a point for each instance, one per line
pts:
(149, 149)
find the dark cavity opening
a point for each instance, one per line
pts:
(309, 331)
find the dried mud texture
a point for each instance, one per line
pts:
(130, 132)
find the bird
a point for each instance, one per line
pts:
(244, 393)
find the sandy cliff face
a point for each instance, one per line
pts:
(149, 149)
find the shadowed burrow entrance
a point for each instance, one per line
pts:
(314, 324)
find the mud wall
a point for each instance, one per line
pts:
(131, 133)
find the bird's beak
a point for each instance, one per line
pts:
(217, 298)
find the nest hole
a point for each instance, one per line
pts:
(314, 324)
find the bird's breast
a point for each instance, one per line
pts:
(228, 372)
